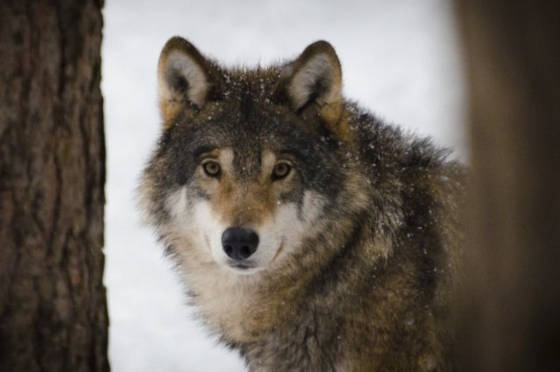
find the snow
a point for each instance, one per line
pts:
(400, 59)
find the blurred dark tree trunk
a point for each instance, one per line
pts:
(512, 302)
(53, 313)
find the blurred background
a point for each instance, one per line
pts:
(400, 59)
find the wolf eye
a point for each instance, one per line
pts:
(281, 170)
(211, 168)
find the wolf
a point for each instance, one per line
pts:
(310, 235)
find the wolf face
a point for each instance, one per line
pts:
(247, 161)
(245, 210)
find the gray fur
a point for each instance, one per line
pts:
(368, 288)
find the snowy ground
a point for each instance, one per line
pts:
(399, 58)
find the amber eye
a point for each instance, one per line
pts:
(281, 170)
(211, 168)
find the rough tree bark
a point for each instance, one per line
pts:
(512, 301)
(53, 314)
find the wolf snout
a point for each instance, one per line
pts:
(239, 243)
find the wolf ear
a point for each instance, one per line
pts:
(314, 81)
(185, 79)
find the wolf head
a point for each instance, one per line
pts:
(250, 161)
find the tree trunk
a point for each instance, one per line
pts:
(53, 312)
(512, 299)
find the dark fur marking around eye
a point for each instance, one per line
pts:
(181, 178)
(293, 152)
(202, 149)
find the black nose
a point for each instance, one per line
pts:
(239, 243)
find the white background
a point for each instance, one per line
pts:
(399, 58)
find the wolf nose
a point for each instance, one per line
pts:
(239, 243)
